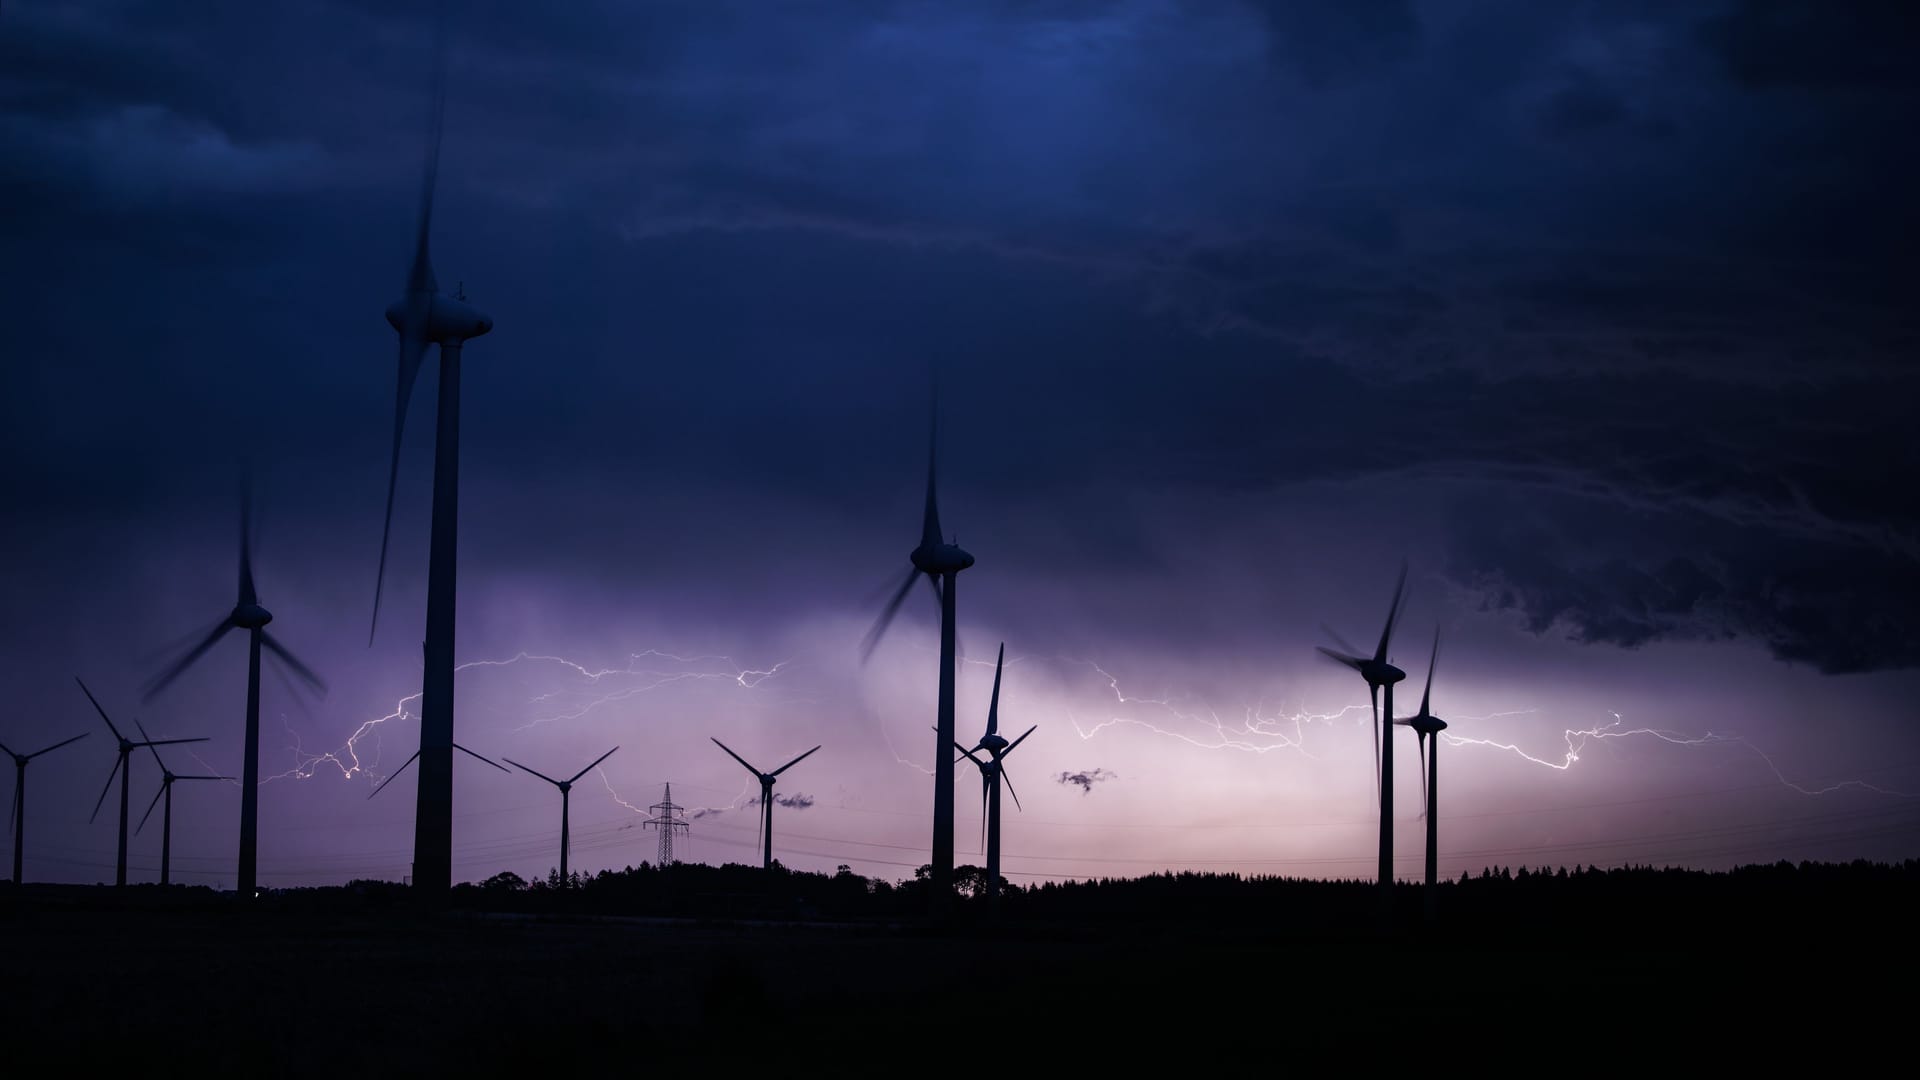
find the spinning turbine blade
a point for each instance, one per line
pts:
(993, 703)
(1393, 614)
(55, 746)
(102, 800)
(293, 662)
(930, 533)
(1345, 645)
(1373, 694)
(736, 757)
(98, 709)
(1423, 772)
(150, 806)
(794, 762)
(1427, 694)
(868, 643)
(481, 757)
(403, 768)
(149, 744)
(247, 594)
(179, 667)
(535, 772)
(596, 761)
(1353, 662)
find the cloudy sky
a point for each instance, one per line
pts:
(1597, 315)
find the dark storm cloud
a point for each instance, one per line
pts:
(1084, 779)
(1634, 279)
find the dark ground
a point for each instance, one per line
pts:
(181, 982)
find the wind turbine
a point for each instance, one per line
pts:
(167, 777)
(766, 798)
(1378, 673)
(124, 767)
(425, 316)
(247, 615)
(1427, 725)
(566, 790)
(941, 562)
(992, 773)
(19, 817)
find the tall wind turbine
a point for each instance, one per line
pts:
(566, 795)
(167, 777)
(941, 562)
(19, 819)
(1378, 673)
(1427, 725)
(993, 772)
(247, 615)
(766, 798)
(425, 316)
(124, 767)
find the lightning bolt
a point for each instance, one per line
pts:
(348, 757)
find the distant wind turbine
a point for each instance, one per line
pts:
(425, 316)
(1426, 725)
(124, 767)
(1378, 673)
(766, 798)
(993, 772)
(941, 561)
(19, 817)
(566, 795)
(247, 615)
(167, 777)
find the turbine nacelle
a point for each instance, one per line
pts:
(437, 318)
(250, 616)
(994, 744)
(1379, 672)
(1427, 725)
(940, 558)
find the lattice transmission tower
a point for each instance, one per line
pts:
(666, 817)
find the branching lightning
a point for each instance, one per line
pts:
(359, 757)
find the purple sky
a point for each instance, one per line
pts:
(1597, 316)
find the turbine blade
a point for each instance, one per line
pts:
(55, 746)
(794, 762)
(293, 662)
(939, 594)
(1353, 662)
(413, 349)
(968, 754)
(171, 742)
(102, 800)
(1018, 741)
(98, 709)
(13, 811)
(247, 594)
(1345, 645)
(151, 749)
(736, 758)
(1393, 614)
(481, 757)
(179, 667)
(1427, 695)
(993, 703)
(596, 761)
(930, 533)
(420, 275)
(390, 778)
(150, 806)
(1423, 771)
(1008, 780)
(1373, 693)
(227, 778)
(4, 748)
(986, 785)
(535, 772)
(868, 643)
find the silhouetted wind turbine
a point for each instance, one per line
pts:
(124, 767)
(1424, 725)
(247, 615)
(992, 772)
(18, 819)
(941, 562)
(766, 798)
(1379, 673)
(425, 316)
(167, 777)
(566, 796)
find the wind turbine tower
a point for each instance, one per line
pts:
(425, 316)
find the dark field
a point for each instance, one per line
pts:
(183, 983)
